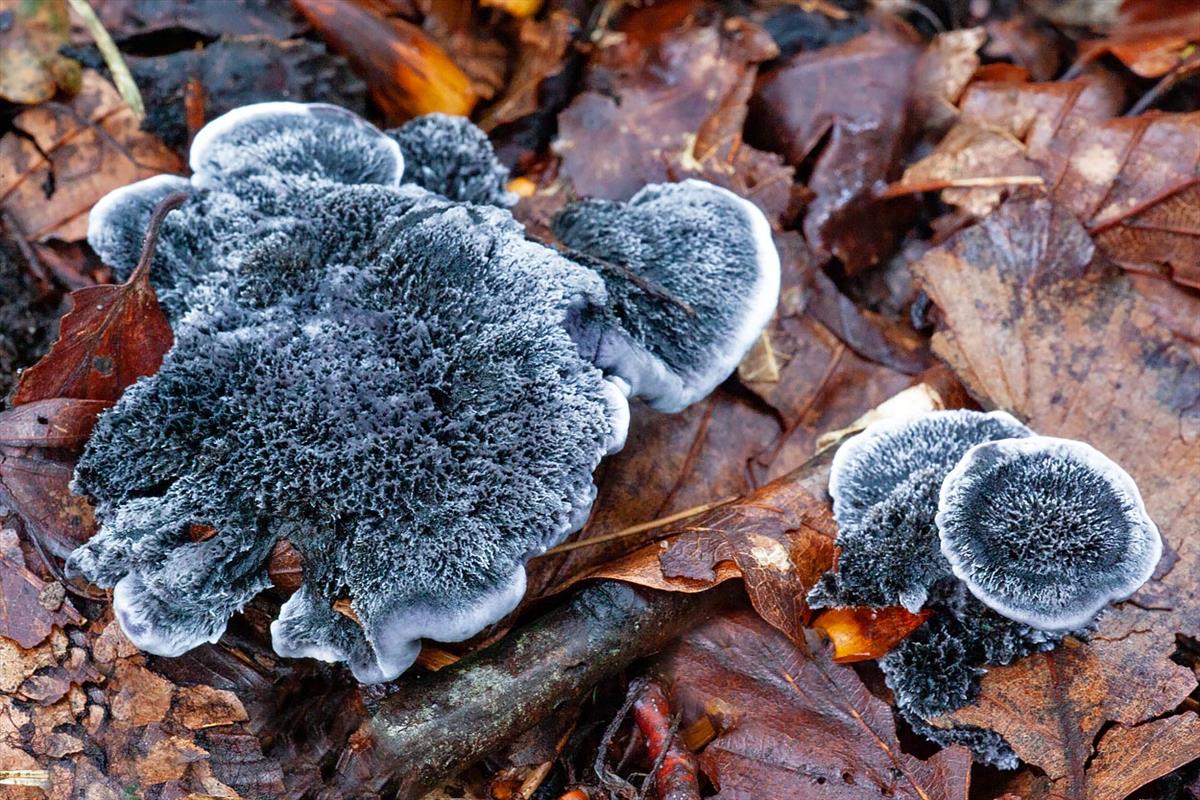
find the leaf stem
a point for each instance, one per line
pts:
(164, 207)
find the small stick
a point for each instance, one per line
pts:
(430, 729)
(610, 781)
(901, 189)
(675, 772)
(640, 527)
(112, 57)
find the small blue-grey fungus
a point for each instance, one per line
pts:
(682, 328)
(1046, 531)
(892, 556)
(389, 375)
(868, 467)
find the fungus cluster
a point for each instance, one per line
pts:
(1012, 539)
(374, 363)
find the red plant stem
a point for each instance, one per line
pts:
(675, 774)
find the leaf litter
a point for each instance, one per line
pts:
(945, 185)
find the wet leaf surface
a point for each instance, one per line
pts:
(112, 336)
(28, 611)
(848, 104)
(863, 634)
(1037, 321)
(407, 72)
(791, 723)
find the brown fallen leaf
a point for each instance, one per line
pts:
(823, 345)
(541, 54)
(791, 723)
(1151, 37)
(1038, 322)
(35, 484)
(943, 72)
(24, 617)
(1135, 182)
(110, 337)
(1128, 758)
(851, 100)
(1008, 129)
(407, 72)
(31, 70)
(778, 540)
(864, 634)
(666, 100)
(74, 154)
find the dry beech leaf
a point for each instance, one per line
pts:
(79, 152)
(852, 100)
(666, 100)
(1038, 322)
(24, 618)
(791, 723)
(865, 634)
(407, 72)
(111, 336)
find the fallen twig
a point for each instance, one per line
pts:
(442, 723)
(675, 772)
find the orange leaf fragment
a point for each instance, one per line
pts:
(862, 633)
(408, 73)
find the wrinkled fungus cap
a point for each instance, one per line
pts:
(868, 467)
(389, 375)
(1046, 531)
(707, 283)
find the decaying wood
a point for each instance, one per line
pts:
(443, 723)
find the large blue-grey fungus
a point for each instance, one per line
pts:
(682, 330)
(1046, 531)
(868, 467)
(452, 157)
(397, 382)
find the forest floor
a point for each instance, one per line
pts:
(978, 203)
